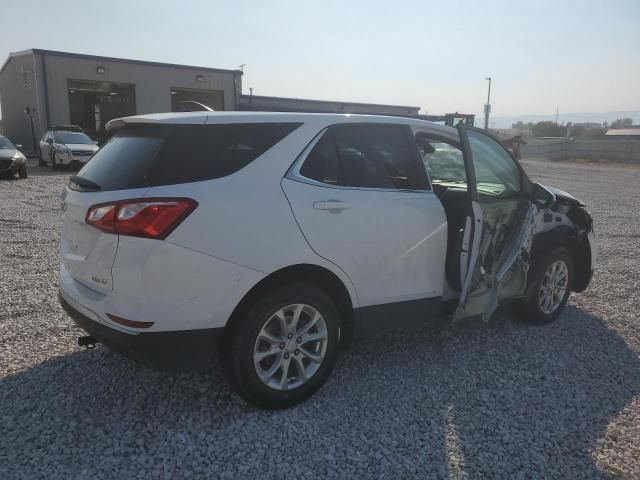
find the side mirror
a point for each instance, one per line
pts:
(19, 146)
(49, 140)
(541, 196)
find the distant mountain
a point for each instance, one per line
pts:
(599, 117)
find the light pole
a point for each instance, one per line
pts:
(487, 107)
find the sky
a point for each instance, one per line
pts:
(574, 55)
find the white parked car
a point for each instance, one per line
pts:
(66, 145)
(272, 238)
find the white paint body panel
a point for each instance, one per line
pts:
(388, 246)
(391, 244)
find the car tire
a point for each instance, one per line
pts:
(549, 286)
(262, 381)
(22, 172)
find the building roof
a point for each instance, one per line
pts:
(623, 131)
(83, 56)
(246, 100)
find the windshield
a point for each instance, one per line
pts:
(72, 137)
(5, 144)
(444, 162)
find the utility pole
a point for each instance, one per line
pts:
(556, 115)
(487, 107)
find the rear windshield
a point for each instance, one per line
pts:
(144, 156)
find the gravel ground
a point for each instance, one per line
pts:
(465, 401)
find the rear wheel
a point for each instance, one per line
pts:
(550, 281)
(284, 348)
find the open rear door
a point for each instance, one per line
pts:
(498, 227)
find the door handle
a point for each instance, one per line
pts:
(331, 205)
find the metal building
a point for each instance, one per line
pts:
(42, 87)
(282, 104)
(39, 88)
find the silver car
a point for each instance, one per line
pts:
(12, 160)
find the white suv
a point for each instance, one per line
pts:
(273, 238)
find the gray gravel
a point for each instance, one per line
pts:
(470, 401)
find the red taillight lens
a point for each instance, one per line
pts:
(150, 218)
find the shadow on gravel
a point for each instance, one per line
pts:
(37, 171)
(474, 400)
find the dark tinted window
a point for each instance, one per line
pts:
(377, 156)
(123, 162)
(213, 151)
(149, 156)
(322, 163)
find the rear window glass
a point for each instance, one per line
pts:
(143, 156)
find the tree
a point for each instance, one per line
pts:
(586, 132)
(548, 129)
(621, 123)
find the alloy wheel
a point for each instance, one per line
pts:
(553, 287)
(290, 347)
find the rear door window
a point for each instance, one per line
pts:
(145, 156)
(323, 164)
(365, 156)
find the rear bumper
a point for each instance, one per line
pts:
(174, 350)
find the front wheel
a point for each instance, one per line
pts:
(284, 348)
(550, 282)
(22, 171)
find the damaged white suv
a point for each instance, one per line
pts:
(270, 239)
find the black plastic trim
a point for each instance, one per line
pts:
(378, 319)
(175, 350)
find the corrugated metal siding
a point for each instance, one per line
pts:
(14, 97)
(153, 83)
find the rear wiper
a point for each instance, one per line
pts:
(84, 183)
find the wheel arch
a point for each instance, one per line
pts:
(576, 242)
(315, 275)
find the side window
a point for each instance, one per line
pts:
(443, 161)
(196, 153)
(322, 163)
(377, 156)
(497, 174)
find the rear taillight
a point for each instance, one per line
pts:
(148, 217)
